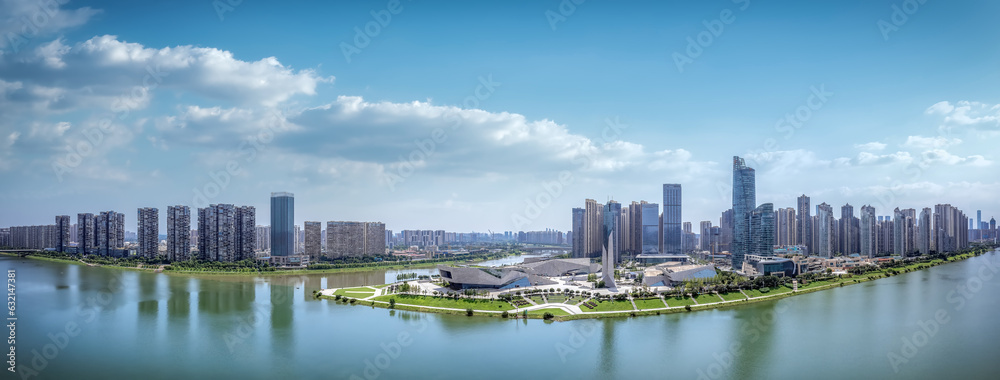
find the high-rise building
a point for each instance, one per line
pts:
(785, 223)
(705, 236)
(825, 233)
(672, 238)
(148, 232)
(226, 232)
(868, 233)
(354, 239)
(612, 218)
(62, 233)
(650, 228)
(87, 242)
(264, 238)
(282, 224)
(848, 227)
(178, 233)
(979, 219)
(688, 238)
(924, 229)
(950, 228)
(109, 229)
(804, 234)
(314, 232)
(744, 202)
(246, 233)
(762, 230)
(726, 228)
(577, 239)
(593, 228)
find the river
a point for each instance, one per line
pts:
(78, 322)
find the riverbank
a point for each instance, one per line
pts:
(381, 298)
(279, 272)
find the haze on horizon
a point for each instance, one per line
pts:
(445, 119)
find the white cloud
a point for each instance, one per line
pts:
(25, 20)
(114, 71)
(968, 114)
(940, 156)
(871, 147)
(921, 142)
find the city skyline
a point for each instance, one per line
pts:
(317, 124)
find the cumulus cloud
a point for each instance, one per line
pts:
(105, 68)
(941, 156)
(938, 142)
(967, 114)
(871, 147)
(22, 21)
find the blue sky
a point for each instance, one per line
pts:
(513, 95)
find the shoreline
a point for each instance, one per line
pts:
(516, 314)
(278, 272)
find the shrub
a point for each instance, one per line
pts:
(687, 307)
(505, 314)
(548, 315)
(392, 303)
(468, 312)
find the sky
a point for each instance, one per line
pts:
(494, 115)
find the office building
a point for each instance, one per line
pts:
(744, 202)
(612, 227)
(650, 228)
(577, 233)
(282, 224)
(762, 230)
(672, 238)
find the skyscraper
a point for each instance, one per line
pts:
(612, 218)
(62, 233)
(178, 233)
(848, 230)
(804, 234)
(762, 230)
(148, 232)
(577, 239)
(705, 235)
(825, 233)
(924, 231)
(650, 228)
(979, 219)
(672, 240)
(785, 234)
(868, 232)
(85, 233)
(744, 202)
(314, 232)
(246, 233)
(593, 228)
(726, 231)
(282, 224)
(109, 229)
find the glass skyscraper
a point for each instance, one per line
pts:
(650, 228)
(672, 242)
(744, 202)
(282, 224)
(612, 226)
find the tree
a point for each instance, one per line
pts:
(392, 303)
(468, 312)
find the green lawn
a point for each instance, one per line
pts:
(553, 310)
(537, 299)
(733, 296)
(707, 298)
(557, 299)
(652, 303)
(610, 306)
(679, 301)
(361, 292)
(462, 303)
(774, 291)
